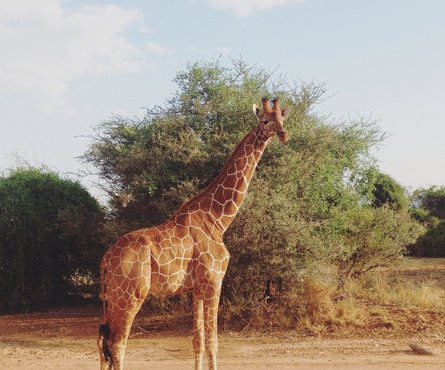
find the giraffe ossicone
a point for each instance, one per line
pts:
(185, 253)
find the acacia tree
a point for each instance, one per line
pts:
(310, 202)
(388, 191)
(431, 200)
(429, 209)
(48, 232)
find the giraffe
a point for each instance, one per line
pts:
(185, 253)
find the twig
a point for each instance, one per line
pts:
(141, 328)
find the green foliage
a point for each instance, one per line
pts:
(310, 202)
(151, 166)
(388, 191)
(367, 238)
(47, 233)
(432, 243)
(429, 209)
(431, 200)
(424, 217)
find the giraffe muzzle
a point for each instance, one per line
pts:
(283, 136)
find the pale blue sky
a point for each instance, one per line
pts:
(67, 65)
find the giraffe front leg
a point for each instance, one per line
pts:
(211, 302)
(198, 329)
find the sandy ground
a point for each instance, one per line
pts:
(67, 340)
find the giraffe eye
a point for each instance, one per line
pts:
(265, 122)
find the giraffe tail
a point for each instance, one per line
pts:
(103, 285)
(104, 334)
(104, 329)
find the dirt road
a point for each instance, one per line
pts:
(60, 340)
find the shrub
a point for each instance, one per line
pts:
(48, 233)
(431, 243)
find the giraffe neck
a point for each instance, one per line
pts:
(221, 200)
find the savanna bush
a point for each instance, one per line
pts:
(429, 209)
(48, 234)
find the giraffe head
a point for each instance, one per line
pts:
(272, 118)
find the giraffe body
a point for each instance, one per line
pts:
(185, 253)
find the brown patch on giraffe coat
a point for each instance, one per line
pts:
(241, 164)
(205, 204)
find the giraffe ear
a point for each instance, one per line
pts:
(257, 112)
(285, 112)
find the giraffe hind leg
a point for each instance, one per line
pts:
(106, 360)
(125, 285)
(121, 311)
(122, 321)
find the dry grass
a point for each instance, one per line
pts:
(387, 288)
(411, 282)
(312, 309)
(419, 263)
(407, 298)
(325, 310)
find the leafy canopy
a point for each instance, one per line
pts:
(429, 209)
(388, 191)
(47, 233)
